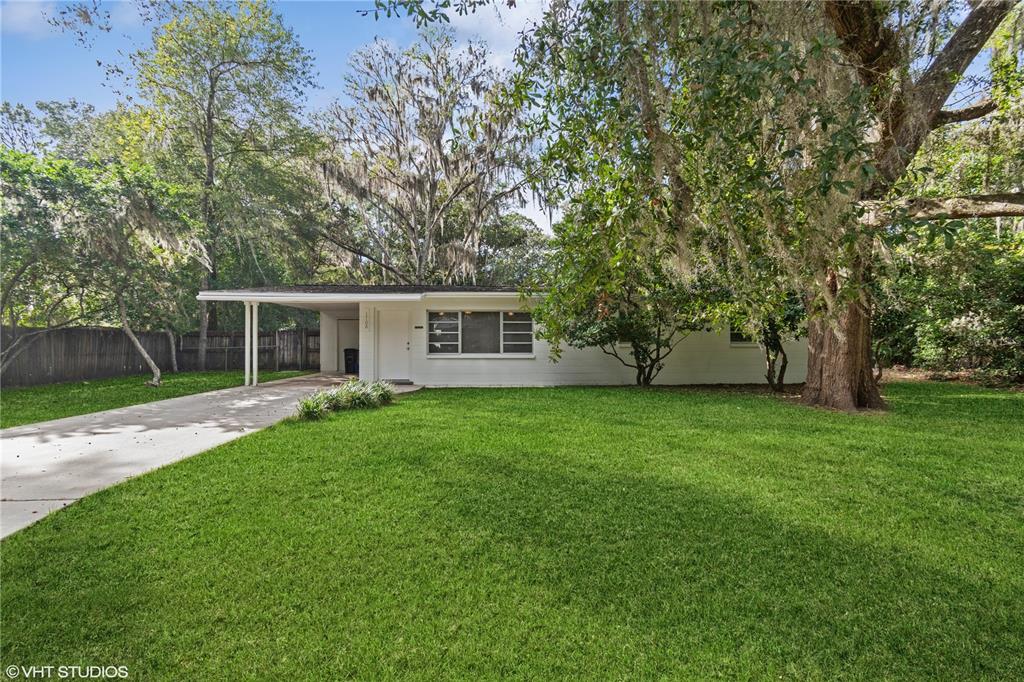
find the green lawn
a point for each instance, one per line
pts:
(40, 403)
(595, 533)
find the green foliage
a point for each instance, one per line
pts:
(605, 289)
(315, 406)
(958, 307)
(352, 395)
(78, 233)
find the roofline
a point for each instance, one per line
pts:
(297, 296)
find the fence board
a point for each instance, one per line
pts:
(82, 353)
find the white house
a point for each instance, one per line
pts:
(482, 336)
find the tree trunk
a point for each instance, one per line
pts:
(781, 379)
(174, 350)
(204, 326)
(839, 361)
(155, 381)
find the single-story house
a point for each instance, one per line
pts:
(481, 336)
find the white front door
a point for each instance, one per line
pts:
(393, 345)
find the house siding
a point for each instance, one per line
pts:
(700, 358)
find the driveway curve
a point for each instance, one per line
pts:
(48, 465)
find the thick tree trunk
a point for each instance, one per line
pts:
(839, 361)
(155, 381)
(174, 350)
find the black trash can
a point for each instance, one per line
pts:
(351, 361)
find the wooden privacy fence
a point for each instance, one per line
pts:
(82, 353)
(285, 349)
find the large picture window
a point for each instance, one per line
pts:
(479, 332)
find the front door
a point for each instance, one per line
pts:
(393, 345)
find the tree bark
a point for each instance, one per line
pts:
(839, 361)
(1003, 205)
(123, 310)
(839, 367)
(969, 113)
(781, 379)
(174, 350)
(204, 326)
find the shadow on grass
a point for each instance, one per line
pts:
(478, 534)
(709, 585)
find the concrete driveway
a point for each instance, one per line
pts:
(49, 465)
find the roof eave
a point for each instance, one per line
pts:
(287, 298)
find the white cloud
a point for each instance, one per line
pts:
(26, 17)
(500, 27)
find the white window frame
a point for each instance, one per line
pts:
(501, 354)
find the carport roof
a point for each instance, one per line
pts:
(309, 295)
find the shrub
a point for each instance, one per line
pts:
(313, 406)
(382, 391)
(353, 394)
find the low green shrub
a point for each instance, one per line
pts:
(353, 394)
(313, 406)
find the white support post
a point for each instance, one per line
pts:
(248, 339)
(255, 342)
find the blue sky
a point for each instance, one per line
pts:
(38, 62)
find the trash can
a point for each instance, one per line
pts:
(351, 361)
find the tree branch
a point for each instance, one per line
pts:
(976, 110)
(1010, 204)
(911, 126)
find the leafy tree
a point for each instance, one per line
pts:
(606, 289)
(225, 82)
(758, 135)
(106, 231)
(421, 159)
(512, 251)
(43, 279)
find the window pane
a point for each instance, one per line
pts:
(517, 337)
(480, 332)
(442, 348)
(519, 347)
(737, 336)
(518, 317)
(444, 317)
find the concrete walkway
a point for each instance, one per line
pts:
(48, 465)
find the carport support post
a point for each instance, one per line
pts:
(248, 337)
(255, 342)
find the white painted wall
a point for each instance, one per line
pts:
(701, 358)
(348, 337)
(328, 342)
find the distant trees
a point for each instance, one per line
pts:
(421, 159)
(86, 237)
(224, 84)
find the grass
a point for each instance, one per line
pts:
(40, 403)
(553, 533)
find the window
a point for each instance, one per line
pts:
(479, 332)
(516, 333)
(738, 336)
(443, 333)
